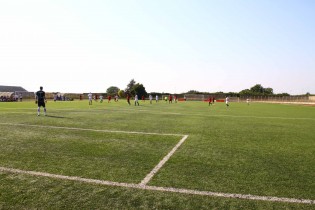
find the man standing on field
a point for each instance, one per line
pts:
(40, 100)
(227, 100)
(136, 100)
(128, 98)
(150, 98)
(90, 98)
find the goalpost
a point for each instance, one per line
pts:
(195, 97)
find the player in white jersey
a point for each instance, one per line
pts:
(150, 98)
(227, 100)
(101, 98)
(136, 100)
(156, 98)
(90, 98)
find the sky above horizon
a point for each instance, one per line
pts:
(167, 45)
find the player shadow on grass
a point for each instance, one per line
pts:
(53, 116)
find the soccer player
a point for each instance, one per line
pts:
(109, 98)
(247, 101)
(150, 98)
(170, 99)
(136, 100)
(90, 98)
(128, 98)
(101, 98)
(227, 100)
(40, 100)
(210, 100)
(156, 98)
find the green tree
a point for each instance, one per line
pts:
(121, 93)
(246, 92)
(112, 90)
(139, 89)
(130, 86)
(257, 89)
(268, 91)
(193, 92)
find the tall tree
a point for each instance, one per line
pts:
(130, 86)
(268, 91)
(139, 89)
(112, 90)
(257, 88)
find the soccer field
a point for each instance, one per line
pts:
(185, 155)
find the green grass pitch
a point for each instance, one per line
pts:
(257, 149)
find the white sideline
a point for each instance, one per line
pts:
(162, 162)
(163, 189)
(88, 129)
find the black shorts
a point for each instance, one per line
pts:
(41, 103)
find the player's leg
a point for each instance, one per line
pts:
(44, 106)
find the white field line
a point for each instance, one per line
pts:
(233, 116)
(88, 129)
(163, 189)
(162, 162)
(168, 113)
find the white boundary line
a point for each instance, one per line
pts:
(181, 114)
(88, 129)
(163, 189)
(155, 169)
(162, 162)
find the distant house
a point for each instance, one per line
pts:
(11, 93)
(11, 89)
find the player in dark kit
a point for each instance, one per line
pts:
(40, 100)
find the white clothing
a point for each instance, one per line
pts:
(90, 96)
(227, 99)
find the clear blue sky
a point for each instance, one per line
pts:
(167, 45)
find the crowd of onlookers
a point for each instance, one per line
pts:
(12, 98)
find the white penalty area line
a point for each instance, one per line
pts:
(162, 162)
(232, 116)
(154, 170)
(88, 129)
(162, 189)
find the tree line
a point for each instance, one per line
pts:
(134, 88)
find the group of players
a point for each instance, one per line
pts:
(40, 99)
(90, 96)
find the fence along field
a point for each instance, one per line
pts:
(145, 110)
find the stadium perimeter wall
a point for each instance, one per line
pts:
(265, 99)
